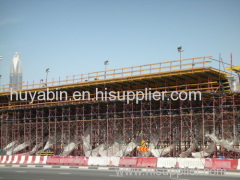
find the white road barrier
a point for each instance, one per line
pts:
(166, 162)
(238, 167)
(191, 162)
(103, 161)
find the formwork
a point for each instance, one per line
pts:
(206, 127)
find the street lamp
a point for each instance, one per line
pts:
(180, 51)
(106, 63)
(47, 71)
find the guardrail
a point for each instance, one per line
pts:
(114, 73)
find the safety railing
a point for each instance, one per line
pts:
(114, 73)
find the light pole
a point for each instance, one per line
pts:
(106, 63)
(180, 51)
(47, 71)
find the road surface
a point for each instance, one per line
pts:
(10, 173)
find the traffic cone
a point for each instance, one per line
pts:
(177, 165)
(110, 163)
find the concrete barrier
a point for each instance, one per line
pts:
(22, 160)
(43, 159)
(68, 160)
(226, 163)
(113, 161)
(97, 161)
(103, 161)
(3, 160)
(53, 160)
(77, 161)
(238, 167)
(128, 161)
(16, 159)
(147, 162)
(221, 164)
(38, 159)
(200, 163)
(191, 162)
(167, 162)
(9, 160)
(29, 160)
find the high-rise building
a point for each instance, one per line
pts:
(16, 72)
(0, 73)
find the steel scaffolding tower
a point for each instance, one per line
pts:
(182, 126)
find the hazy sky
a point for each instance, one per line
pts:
(77, 36)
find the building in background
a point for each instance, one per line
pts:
(0, 73)
(16, 72)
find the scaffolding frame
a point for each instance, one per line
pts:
(170, 123)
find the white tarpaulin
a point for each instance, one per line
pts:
(10, 145)
(48, 145)
(224, 143)
(160, 152)
(20, 147)
(68, 149)
(205, 152)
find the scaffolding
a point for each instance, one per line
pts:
(209, 127)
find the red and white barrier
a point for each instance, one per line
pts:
(30, 160)
(4, 158)
(39, 160)
(27, 159)
(22, 160)
(16, 159)
(36, 160)
(200, 163)
(43, 159)
(9, 160)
